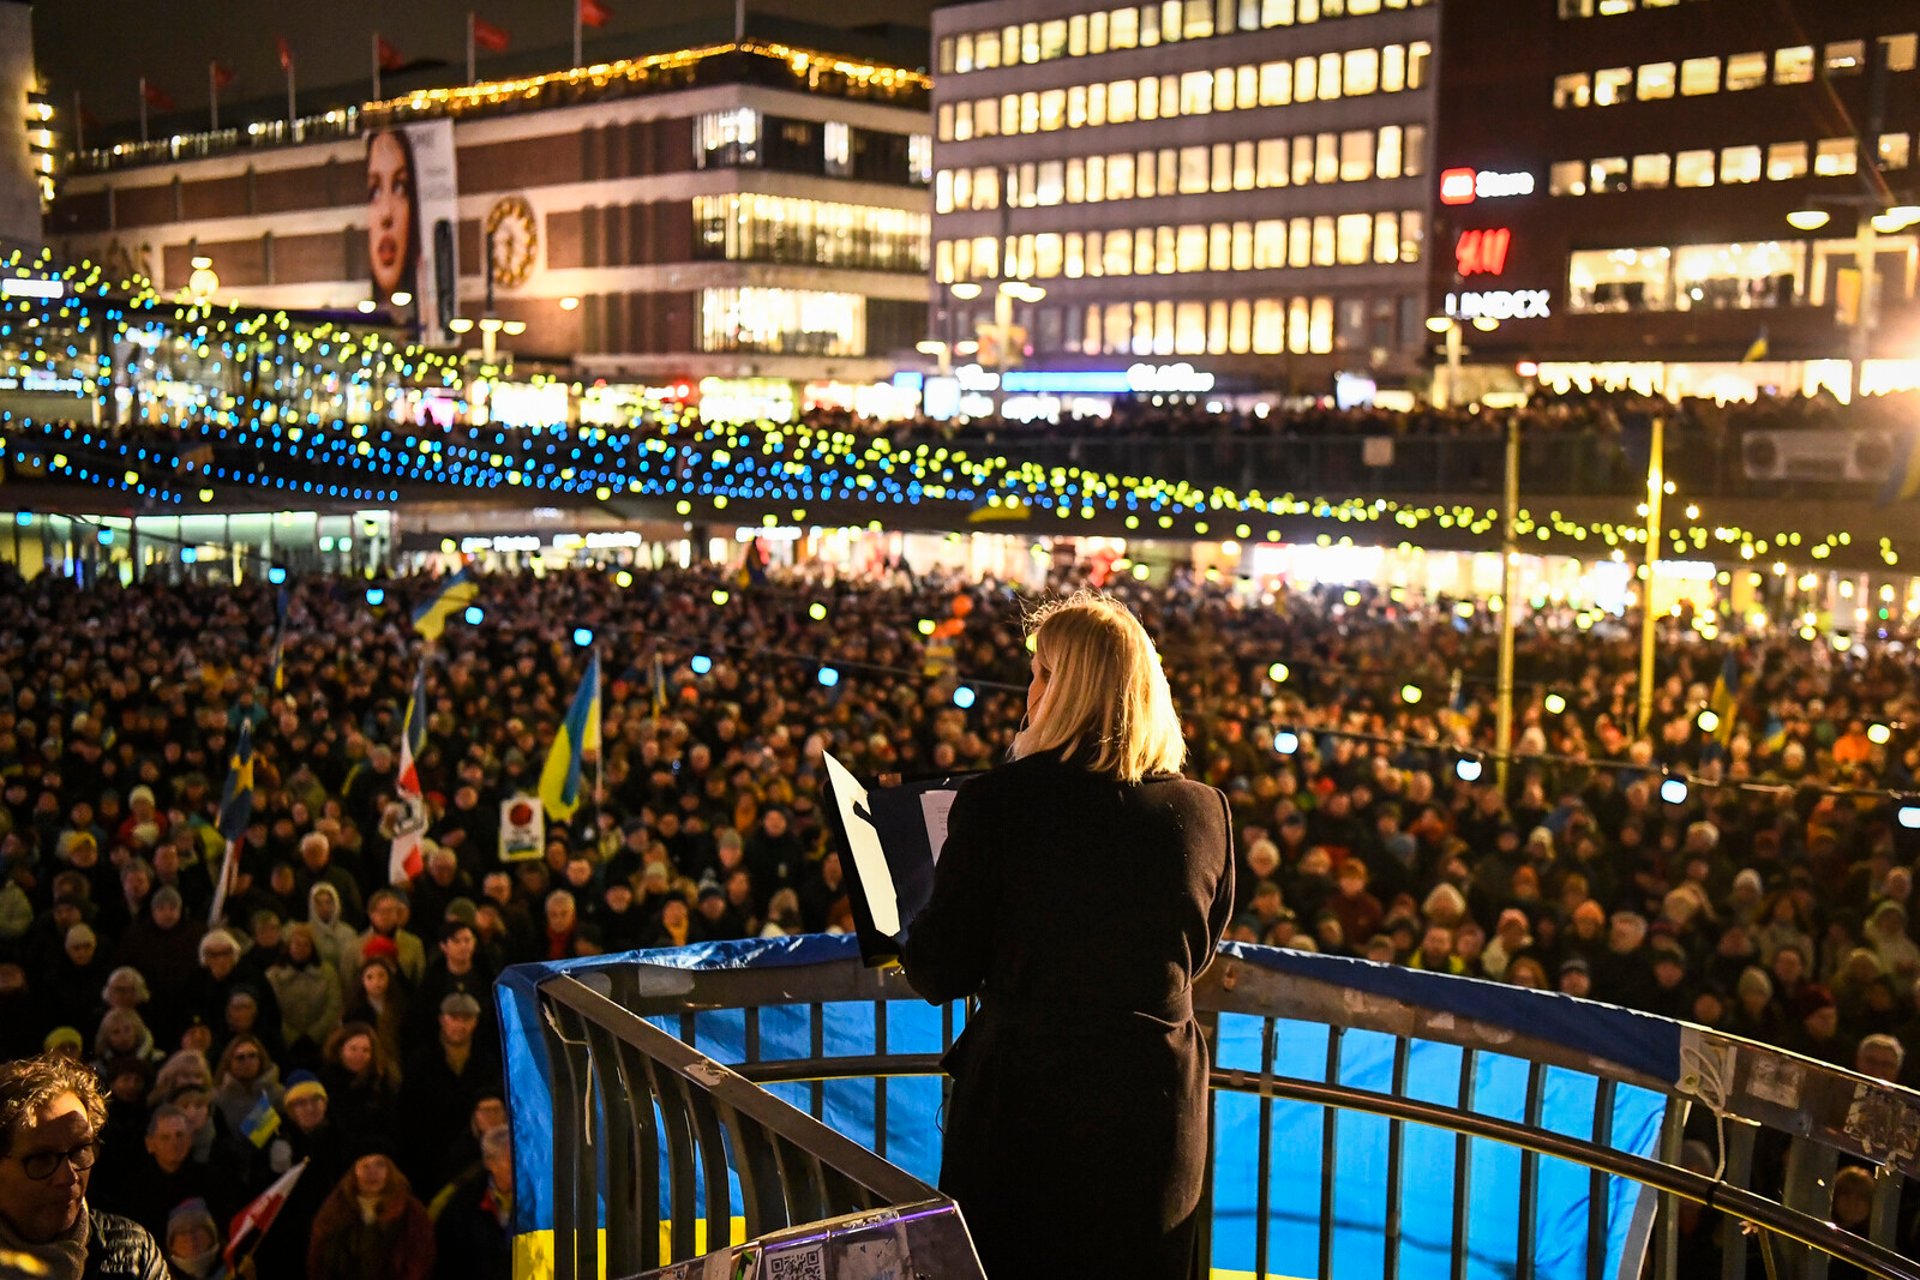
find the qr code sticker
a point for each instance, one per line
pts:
(801, 1264)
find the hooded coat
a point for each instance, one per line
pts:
(391, 1239)
(337, 942)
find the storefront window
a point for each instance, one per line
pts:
(783, 322)
(1728, 277)
(1601, 280)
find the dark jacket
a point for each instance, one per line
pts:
(470, 1243)
(396, 1245)
(1079, 909)
(119, 1249)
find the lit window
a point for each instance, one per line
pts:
(1303, 160)
(1030, 42)
(1276, 84)
(1896, 150)
(1221, 166)
(1836, 156)
(1196, 93)
(1269, 327)
(963, 53)
(1190, 249)
(1163, 329)
(1124, 29)
(1693, 169)
(1419, 53)
(1246, 88)
(1574, 90)
(1220, 247)
(1656, 80)
(1353, 237)
(1193, 171)
(1270, 163)
(1356, 155)
(1096, 104)
(1900, 51)
(1196, 20)
(1326, 158)
(1240, 327)
(1786, 161)
(1320, 338)
(1243, 247)
(1567, 178)
(1386, 238)
(1120, 102)
(1360, 72)
(1276, 13)
(1298, 315)
(1269, 244)
(1329, 76)
(1097, 33)
(1413, 235)
(943, 191)
(1607, 174)
(1746, 71)
(1217, 328)
(1049, 187)
(838, 144)
(1699, 76)
(1740, 164)
(1393, 68)
(1190, 329)
(1651, 172)
(1387, 163)
(1243, 166)
(1325, 246)
(1794, 65)
(1610, 86)
(986, 50)
(1223, 89)
(1119, 253)
(1415, 151)
(1845, 58)
(1077, 35)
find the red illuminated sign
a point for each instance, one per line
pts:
(1456, 186)
(1482, 251)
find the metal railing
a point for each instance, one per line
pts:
(641, 1119)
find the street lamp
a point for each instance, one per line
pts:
(1453, 331)
(1875, 215)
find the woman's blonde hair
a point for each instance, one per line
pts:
(1106, 706)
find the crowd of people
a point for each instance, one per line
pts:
(334, 1017)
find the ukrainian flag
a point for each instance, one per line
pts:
(261, 1122)
(277, 681)
(996, 508)
(561, 778)
(459, 591)
(1759, 349)
(1726, 696)
(236, 799)
(1903, 478)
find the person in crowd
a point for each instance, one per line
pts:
(473, 1227)
(361, 1078)
(1093, 803)
(308, 1135)
(307, 989)
(371, 1227)
(442, 1083)
(51, 1112)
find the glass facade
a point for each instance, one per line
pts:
(1138, 27)
(1325, 240)
(1354, 155)
(743, 138)
(783, 322)
(1324, 77)
(758, 228)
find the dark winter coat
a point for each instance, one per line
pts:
(396, 1245)
(1079, 909)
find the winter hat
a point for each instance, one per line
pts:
(304, 1084)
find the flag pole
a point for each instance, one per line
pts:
(1656, 489)
(220, 890)
(143, 108)
(376, 66)
(79, 123)
(599, 760)
(578, 35)
(740, 22)
(291, 113)
(471, 75)
(213, 95)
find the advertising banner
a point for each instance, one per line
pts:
(412, 190)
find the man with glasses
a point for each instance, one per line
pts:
(50, 1117)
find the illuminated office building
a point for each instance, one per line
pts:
(1243, 186)
(1677, 194)
(754, 211)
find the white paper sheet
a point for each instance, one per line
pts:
(869, 861)
(934, 806)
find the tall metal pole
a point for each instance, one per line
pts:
(1656, 490)
(578, 35)
(1509, 553)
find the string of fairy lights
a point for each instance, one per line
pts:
(271, 384)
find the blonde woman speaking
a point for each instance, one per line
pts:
(1081, 888)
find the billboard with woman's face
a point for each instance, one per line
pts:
(412, 189)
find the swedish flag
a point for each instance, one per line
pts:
(580, 731)
(236, 799)
(459, 591)
(1903, 477)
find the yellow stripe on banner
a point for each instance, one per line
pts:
(533, 1251)
(1218, 1274)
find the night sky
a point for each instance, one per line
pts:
(101, 48)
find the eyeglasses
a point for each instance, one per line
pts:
(246, 1055)
(41, 1164)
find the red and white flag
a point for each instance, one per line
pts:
(252, 1222)
(286, 53)
(490, 37)
(594, 14)
(404, 861)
